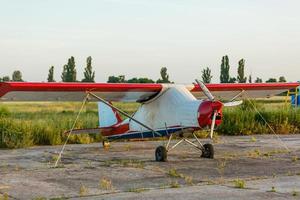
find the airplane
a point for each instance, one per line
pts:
(165, 109)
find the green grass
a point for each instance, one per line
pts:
(44, 123)
(239, 183)
(244, 120)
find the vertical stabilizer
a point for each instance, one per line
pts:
(107, 116)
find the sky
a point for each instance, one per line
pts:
(136, 38)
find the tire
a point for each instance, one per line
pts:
(161, 154)
(208, 151)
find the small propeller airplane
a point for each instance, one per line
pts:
(165, 110)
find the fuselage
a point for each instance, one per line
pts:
(174, 110)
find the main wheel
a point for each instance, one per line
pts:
(161, 154)
(208, 151)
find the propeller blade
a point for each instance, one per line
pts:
(205, 90)
(233, 103)
(213, 124)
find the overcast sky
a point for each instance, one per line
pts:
(137, 37)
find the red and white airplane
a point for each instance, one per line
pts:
(165, 109)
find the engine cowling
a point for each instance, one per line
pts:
(206, 111)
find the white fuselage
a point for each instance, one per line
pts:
(174, 106)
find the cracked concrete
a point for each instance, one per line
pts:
(133, 174)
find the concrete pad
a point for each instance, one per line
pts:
(128, 171)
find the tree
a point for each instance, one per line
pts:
(258, 80)
(116, 79)
(69, 71)
(140, 80)
(206, 75)
(241, 74)
(5, 79)
(164, 76)
(89, 74)
(17, 76)
(51, 74)
(224, 76)
(282, 79)
(232, 80)
(250, 79)
(271, 80)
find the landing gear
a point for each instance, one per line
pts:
(105, 144)
(161, 154)
(208, 151)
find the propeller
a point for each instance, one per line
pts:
(205, 90)
(209, 95)
(213, 124)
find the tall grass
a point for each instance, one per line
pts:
(28, 124)
(244, 120)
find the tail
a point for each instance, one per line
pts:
(107, 116)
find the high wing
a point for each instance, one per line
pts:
(227, 91)
(127, 92)
(26, 91)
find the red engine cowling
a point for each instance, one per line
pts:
(206, 111)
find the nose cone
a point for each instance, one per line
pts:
(206, 111)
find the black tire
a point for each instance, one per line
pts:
(208, 151)
(161, 154)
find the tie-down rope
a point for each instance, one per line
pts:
(270, 127)
(70, 132)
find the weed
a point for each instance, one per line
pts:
(83, 190)
(4, 196)
(289, 173)
(174, 184)
(105, 184)
(127, 147)
(89, 165)
(254, 154)
(137, 190)
(239, 183)
(295, 193)
(253, 139)
(173, 173)
(272, 189)
(188, 180)
(295, 158)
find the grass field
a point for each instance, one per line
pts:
(40, 123)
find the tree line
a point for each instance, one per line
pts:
(69, 74)
(225, 76)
